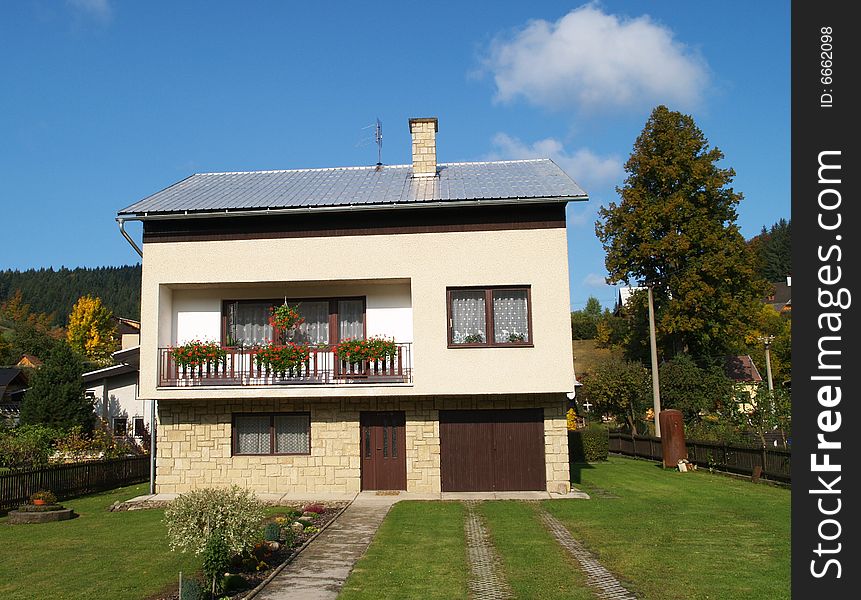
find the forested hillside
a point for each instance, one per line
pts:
(50, 291)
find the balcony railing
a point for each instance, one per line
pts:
(239, 367)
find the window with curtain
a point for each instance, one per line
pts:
(247, 321)
(492, 316)
(315, 327)
(351, 319)
(273, 433)
(468, 317)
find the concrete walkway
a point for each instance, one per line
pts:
(319, 572)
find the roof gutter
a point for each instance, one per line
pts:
(126, 235)
(145, 216)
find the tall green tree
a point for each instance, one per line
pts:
(675, 229)
(584, 323)
(56, 395)
(773, 249)
(693, 389)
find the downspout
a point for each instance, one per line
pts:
(129, 239)
(152, 413)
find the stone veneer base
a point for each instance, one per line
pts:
(193, 448)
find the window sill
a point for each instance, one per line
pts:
(524, 345)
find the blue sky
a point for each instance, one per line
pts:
(104, 102)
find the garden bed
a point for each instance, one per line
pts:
(252, 569)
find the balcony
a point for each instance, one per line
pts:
(242, 367)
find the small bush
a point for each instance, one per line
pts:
(234, 512)
(314, 508)
(233, 583)
(191, 590)
(288, 535)
(272, 532)
(589, 444)
(27, 446)
(216, 559)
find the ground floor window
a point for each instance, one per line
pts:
(271, 433)
(139, 428)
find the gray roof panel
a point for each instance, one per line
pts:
(346, 186)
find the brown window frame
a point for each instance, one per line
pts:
(334, 330)
(114, 421)
(488, 315)
(271, 415)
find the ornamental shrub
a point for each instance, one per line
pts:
(589, 444)
(27, 446)
(272, 532)
(234, 512)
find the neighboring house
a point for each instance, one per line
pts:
(13, 385)
(28, 361)
(129, 332)
(624, 296)
(744, 374)
(463, 265)
(114, 393)
(780, 297)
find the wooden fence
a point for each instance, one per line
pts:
(721, 457)
(68, 481)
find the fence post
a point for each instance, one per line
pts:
(764, 455)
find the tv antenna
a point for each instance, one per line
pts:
(378, 138)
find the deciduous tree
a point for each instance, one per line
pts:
(621, 389)
(675, 228)
(91, 330)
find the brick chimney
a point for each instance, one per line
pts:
(423, 132)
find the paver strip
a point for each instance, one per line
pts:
(486, 581)
(598, 577)
(319, 572)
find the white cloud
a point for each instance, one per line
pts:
(584, 166)
(100, 9)
(595, 280)
(594, 60)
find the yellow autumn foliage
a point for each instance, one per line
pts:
(91, 331)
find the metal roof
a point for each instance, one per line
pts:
(355, 186)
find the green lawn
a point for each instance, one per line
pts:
(99, 555)
(418, 552)
(683, 535)
(535, 566)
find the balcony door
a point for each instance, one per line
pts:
(383, 447)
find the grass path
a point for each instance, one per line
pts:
(534, 564)
(418, 552)
(98, 555)
(684, 536)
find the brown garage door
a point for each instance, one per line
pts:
(492, 450)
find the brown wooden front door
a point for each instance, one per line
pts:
(383, 446)
(492, 450)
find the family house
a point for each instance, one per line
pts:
(455, 275)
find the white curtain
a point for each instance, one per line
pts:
(252, 435)
(315, 328)
(510, 316)
(468, 321)
(291, 434)
(350, 320)
(248, 324)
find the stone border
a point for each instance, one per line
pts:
(282, 566)
(20, 517)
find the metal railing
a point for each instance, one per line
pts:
(240, 367)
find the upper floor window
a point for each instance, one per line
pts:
(489, 316)
(324, 321)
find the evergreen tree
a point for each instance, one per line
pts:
(56, 394)
(675, 229)
(773, 249)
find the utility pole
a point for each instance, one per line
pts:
(656, 387)
(767, 339)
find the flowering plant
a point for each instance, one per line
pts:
(196, 353)
(280, 359)
(284, 317)
(375, 348)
